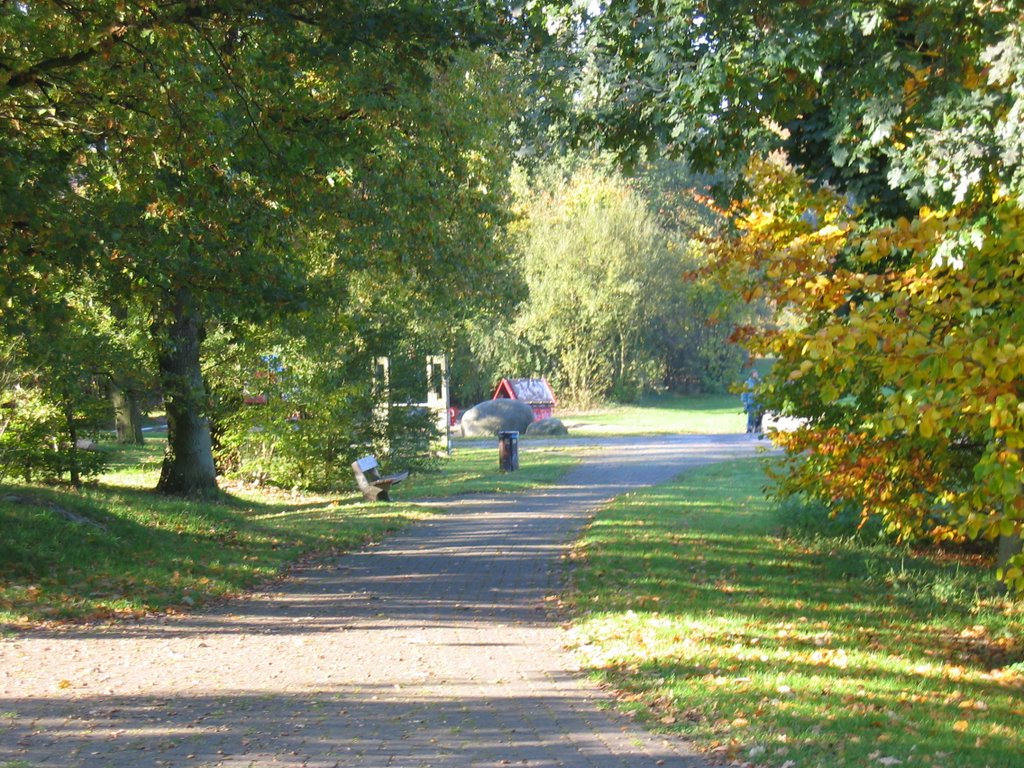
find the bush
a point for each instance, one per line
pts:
(34, 441)
(313, 447)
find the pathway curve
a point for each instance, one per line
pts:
(434, 648)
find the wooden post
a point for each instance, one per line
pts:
(439, 401)
(382, 401)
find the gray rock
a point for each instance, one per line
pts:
(551, 426)
(493, 416)
(85, 444)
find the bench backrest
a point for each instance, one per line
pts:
(366, 463)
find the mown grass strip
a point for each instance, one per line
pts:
(475, 470)
(118, 550)
(662, 414)
(791, 650)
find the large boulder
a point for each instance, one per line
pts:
(493, 416)
(546, 427)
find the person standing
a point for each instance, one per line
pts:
(755, 414)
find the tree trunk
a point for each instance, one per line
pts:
(1008, 547)
(127, 414)
(188, 468)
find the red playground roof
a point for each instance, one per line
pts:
(532, 391)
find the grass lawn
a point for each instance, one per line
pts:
(795, 649)
(115, 549)
(475, 470)
(662, 414)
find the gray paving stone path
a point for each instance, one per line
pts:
(435, 648)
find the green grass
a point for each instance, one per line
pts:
(662, 414)
(131, 465)
(475, 470)
(795, 650)
(116, 549)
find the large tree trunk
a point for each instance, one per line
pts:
(127, 414)
(188, 468)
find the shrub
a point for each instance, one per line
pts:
(312, 446)
(35, 443)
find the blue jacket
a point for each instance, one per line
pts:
(748, 399)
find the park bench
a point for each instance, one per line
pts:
(373, 485)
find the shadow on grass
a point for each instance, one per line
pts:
(133, 550)
(138, 551)
(707, 620)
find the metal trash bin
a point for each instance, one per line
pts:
(508, 451)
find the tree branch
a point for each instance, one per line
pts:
(111, 35)
(239, 91)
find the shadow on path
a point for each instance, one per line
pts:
(434, 648)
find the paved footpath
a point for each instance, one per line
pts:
(434, 648)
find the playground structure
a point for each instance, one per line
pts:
(536, 393)
(437, 403)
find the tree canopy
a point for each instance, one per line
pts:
(194, 159)
(888, 225)
(898, 103)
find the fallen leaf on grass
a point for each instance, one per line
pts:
(971, 704)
